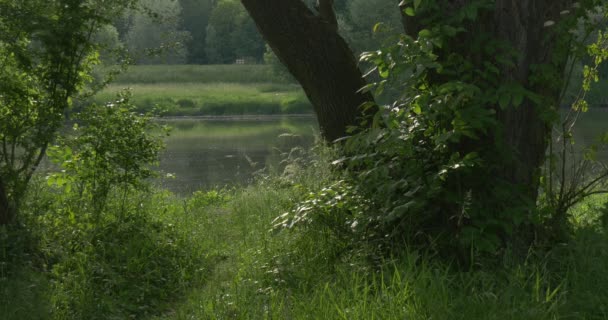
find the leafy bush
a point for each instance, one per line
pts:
(202, 199)
(116, 267)
(111, 147)
(438, 168)
(109, 253)
(48, 59)
(335, 211)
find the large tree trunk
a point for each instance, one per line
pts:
(5, 212)
(523, 131)
(312, 50)
(521, 23)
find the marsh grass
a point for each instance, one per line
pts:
(231, 73)
(204, 99)
(259, 130)
(207, 90)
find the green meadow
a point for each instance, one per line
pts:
(231, 73)
(208, 91)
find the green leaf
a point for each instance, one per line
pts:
(492, 68)
(424, 33)
(417, 109)
(518, 98)
(471, 12)
(377, 27)
(590, 154)
(384, 72)
(410, 11)
(604, 138)
(504, 100)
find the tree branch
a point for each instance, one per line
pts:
(327, 13)
(318, 57)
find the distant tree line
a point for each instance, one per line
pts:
(221, 31)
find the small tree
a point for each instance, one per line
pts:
(46, 54)
(111, 148)
(222, 24)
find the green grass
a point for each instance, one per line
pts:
(132, 262)
(204, 99)
(251, 131)
(260, 278)
(208, 90)
(246, 270)
(198, 74)
(290, 275)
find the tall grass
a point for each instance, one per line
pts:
(203, 99)
(130, 262)
(261, 281)
(24, 290)
(215, 255)
(194, 90)
(294, 275)
(198, 73)
(207, 90)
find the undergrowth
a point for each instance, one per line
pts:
(216, 255)
(309, 273)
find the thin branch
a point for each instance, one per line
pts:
(590, 185)
(595, 192)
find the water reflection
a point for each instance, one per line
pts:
(205, 153)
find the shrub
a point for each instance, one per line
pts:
(108, 252)
(111, 147)
(118, 267)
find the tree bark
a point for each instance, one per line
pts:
(523, 131)
(318, 57)
(326, 12)
(522, 134)
(521, 24)
(6, 215)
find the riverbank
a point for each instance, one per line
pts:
(208, 91)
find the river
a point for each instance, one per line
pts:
(214, 152)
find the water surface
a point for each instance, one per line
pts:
(214, 152)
